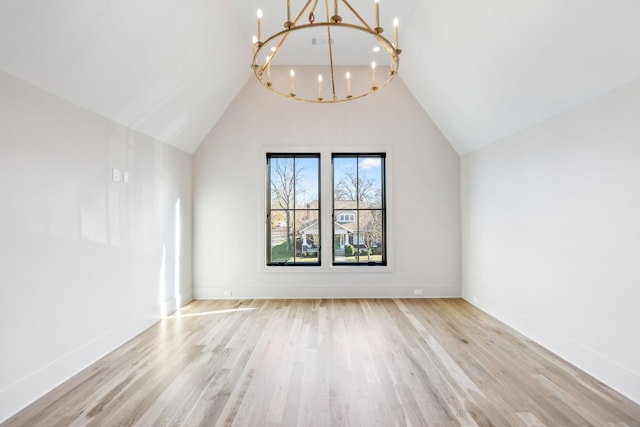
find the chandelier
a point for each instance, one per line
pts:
(321, 27)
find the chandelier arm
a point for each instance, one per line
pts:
(391, 50)
(362, 21)
(273, 54)
(285, 36)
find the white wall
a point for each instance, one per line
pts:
(229, 196)
(81, 256)
(551, 235)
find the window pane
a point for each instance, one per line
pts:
(370, 237)
(282, 183)
(343, 229)
(307, 236)
(281, 236)
(293, 207)
(345, 171)
(306, 188)
(370, 181)
(358, 209)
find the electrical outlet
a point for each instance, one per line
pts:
(115, 174)
(417, 292)
(226, 293)
(475, 300)
(125, 177)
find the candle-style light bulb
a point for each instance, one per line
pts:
(292, 74)
(395, 30)
(259, 13)
(254, 40)
(348, 84)
(373, 75)
(320, 86)
(377, 2)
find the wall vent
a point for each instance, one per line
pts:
(321, 41)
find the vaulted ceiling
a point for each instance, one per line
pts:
(481, 69)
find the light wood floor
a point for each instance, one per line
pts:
(366, 363)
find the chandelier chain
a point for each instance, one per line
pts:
(333, 79)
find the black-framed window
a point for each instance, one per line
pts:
(293, 209)
(359, 209)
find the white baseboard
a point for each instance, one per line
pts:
(307, 292)
(19, 395)
(609, 372)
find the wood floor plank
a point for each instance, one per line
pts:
(346, 362)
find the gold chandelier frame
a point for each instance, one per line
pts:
(262, 69)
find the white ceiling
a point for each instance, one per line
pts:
(486, 69)
(481, 69)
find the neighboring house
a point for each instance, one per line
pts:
(309, 241)
(345, 227)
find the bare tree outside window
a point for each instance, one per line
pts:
(286, 175)
(360, 187)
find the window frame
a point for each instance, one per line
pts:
(383, 210)
(269, 210)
